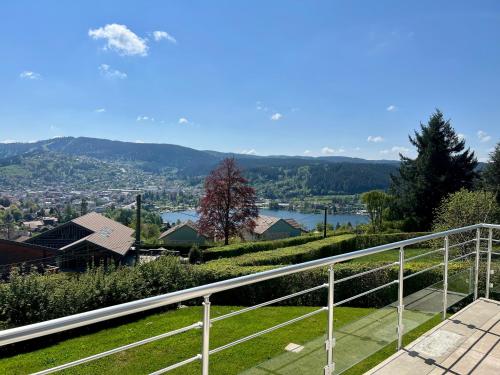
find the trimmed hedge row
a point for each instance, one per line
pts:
(235, 250)
(309, 251)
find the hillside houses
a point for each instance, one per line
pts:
(266, 228)
(184, 234)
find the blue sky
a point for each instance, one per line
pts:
(349, 78)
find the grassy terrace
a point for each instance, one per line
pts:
(159, 354)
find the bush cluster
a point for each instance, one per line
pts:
(35, 297)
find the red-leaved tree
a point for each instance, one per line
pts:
(228, 205)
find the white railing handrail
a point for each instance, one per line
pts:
(48, 327)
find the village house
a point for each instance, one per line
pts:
(88, 239)
(273, 228)
(184, 234)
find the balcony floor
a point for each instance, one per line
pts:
(466, 343)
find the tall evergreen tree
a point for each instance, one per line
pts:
(442, 166)
(491, 173)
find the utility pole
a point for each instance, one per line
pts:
(137, 228)
(324, 224)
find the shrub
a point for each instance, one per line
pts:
(195, 255)
(34, 297)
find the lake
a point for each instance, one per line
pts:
(309, 221)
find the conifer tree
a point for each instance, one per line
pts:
(442, 166)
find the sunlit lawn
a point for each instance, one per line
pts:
(154, 356)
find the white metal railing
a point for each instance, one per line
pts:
(23, 333)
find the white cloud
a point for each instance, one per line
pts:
(121, 39)
(7, 141)
(483, 136)
(159, 35)
(375, 138)
(27, 74)
(331, 151)
(260, 106)
(139, 141)
(392, 108)
(145, 118)
(395, 150)
(100, 110)
(249, 152)
(307, 152)
(183, 120)
(109, 73)
(461, 136)
(277, 116)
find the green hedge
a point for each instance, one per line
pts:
(311, 250)
(35, 297)
(255, 246)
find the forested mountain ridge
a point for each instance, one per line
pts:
(273, 176)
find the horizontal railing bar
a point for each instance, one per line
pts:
(86, 318)
(263, 332)
(461, 257)
(419, 272)
(177, 365)
(424, 254)
(365, 293)
(461, 243)
(246, 309)
(366, 272)
(119, 349)
(494, 253)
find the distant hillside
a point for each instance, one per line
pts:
(41, 169)
(274, 176)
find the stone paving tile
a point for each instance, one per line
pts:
(467, 343)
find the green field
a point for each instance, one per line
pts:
(154, 356)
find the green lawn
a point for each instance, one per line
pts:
(393, 256)
(151, 357)
(154, 356)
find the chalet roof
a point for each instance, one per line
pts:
(295, 224)
(107, 233)
(188, 223)
(263, 223)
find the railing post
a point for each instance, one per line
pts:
(476, 268)
(400, 328)
(445, 276)
(205, 349)
(488, 266)
(330, 340)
